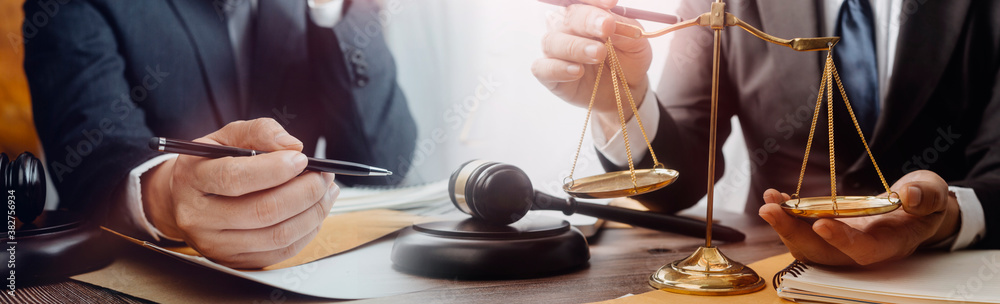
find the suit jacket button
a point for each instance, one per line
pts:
(357, 57)
(361, 82)
(361, 69)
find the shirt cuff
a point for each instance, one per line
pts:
(973, 226)
(133, 197)
(614, 149)
(327, 14)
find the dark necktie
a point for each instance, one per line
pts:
(855, 57)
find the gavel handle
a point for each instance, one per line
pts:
(655, 221)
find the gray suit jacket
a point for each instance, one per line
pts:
(942, 112)
(106, 75)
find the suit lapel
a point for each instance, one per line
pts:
(279, 43)
(927, 39)
(206, 28)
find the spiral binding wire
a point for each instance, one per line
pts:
(795, 269)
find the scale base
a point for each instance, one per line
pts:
(706, 272)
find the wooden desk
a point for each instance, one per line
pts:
(621, 261)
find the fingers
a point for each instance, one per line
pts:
(283, 234)
(553, 71)
(789, 228)
(264, 134)
(254, 248)
(862, 247)
(571, 48)
(800, 239)
(235, 176)
(269, 207)
(584, 21)
(772, 196)
(251, 260)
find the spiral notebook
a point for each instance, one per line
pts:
(971, 276)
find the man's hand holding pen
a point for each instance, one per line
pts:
(574, 47)
(242, 212)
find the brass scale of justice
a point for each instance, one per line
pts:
(707, 271)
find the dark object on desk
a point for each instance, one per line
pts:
(218, 151)
(55, 245)
(501, 194)
(24, 178)
(472, 249)
(625, 12)
(499, 242)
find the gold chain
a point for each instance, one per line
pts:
(812, 130)
(617, 74)
(590, 107)
(836, 76)
(830, 75)
(621, 112)
(829, 125)
(635, 111)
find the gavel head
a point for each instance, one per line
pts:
(494, 192)
(26, 178)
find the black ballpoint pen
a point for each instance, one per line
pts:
(625, 12)
(167, 145)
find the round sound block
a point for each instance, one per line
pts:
(535, 246)
(59, 244)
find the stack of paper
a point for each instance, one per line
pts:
(396, 198)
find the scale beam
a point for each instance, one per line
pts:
(798, 44)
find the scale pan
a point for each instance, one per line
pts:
(619, 183)
(847, 206)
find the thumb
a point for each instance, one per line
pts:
(922, 198)
(264, 134)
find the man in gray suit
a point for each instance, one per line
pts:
(925, 74)
(106, 76)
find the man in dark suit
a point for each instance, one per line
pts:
(934, 109)
(106, 76)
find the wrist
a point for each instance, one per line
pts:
(157, 199)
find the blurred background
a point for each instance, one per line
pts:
(465, 68)
(446, 50)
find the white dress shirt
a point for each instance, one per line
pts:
(240, 14)
(886, 13)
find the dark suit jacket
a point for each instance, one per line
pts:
(106, 75)
(942, 112)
